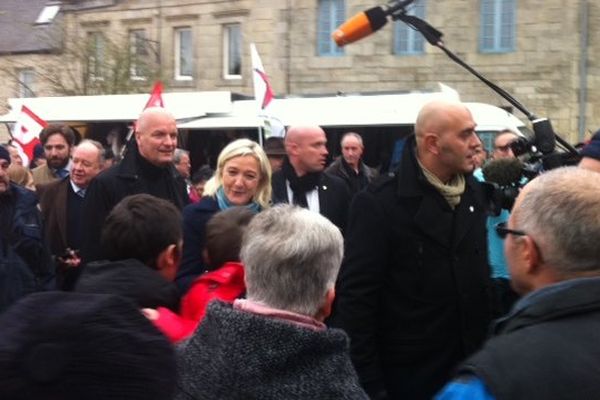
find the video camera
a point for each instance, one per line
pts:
(533, 155)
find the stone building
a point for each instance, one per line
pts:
(542, 52)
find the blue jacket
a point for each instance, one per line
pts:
(25, 264)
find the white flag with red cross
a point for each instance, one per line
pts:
(264, 95)
(263, 92)
(26, 133)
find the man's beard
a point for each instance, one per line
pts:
(56, 163)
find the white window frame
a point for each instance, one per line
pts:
(227, 43)
(135, 72)
(26, 78)
(97, 55)
(177, 33)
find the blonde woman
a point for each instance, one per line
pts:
(242, 179)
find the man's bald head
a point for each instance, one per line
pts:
(151, 115)
(446, 139)
(156, 135)
(306, 147)
(435, 115)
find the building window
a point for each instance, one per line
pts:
(183, 53)
(138, 53)
(232, 50)
(332, 14)
(26, 83)
(497, 34)
(96, 55)
(408, 41)
(48, 14)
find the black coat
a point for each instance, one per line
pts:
(334, 197)
(25, 264)
(547, 347)
(122, 180)
(413, 290)
(131, 279)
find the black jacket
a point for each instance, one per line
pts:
(547, 348)
(413, 290)
(334, 197)
(122, 180)
(366, 175)
(25, 264)
(129, 278)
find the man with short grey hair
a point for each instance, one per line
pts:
(273, 344)
(181, 160)
(350, 166)
(547, 347)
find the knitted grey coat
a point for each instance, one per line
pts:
(238, 355)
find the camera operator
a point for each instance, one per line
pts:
(591, 154)
(504, 295)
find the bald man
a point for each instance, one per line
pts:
(413, 289)
(303, 182)
(146, 168)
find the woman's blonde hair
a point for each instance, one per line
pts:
(241, 148)
(21, 176)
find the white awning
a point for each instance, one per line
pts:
(122, 107)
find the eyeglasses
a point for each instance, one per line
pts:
(503, 231)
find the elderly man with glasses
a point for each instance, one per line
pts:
(548, 346)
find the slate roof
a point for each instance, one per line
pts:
(18, 30)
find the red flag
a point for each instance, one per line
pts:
(26, 132)
(156, 96)
(155, 100)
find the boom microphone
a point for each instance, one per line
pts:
(366, 22)
(504, 171)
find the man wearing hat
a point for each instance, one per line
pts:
(24, 261)
(591, 154)
(275, 151)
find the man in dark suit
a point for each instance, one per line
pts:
(413, 290)
(61, 204)
(301, 180)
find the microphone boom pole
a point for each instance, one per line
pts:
(365, 23)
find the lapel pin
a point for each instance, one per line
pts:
(324, 187)
(471, 208)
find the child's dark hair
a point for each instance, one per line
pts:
(141, 227)
(224, 232)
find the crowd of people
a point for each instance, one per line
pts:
(278, 276)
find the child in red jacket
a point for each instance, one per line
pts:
(224, 281)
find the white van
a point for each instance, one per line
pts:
(380, 119)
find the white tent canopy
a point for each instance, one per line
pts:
(122, 107)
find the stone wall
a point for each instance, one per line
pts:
(543, 72)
